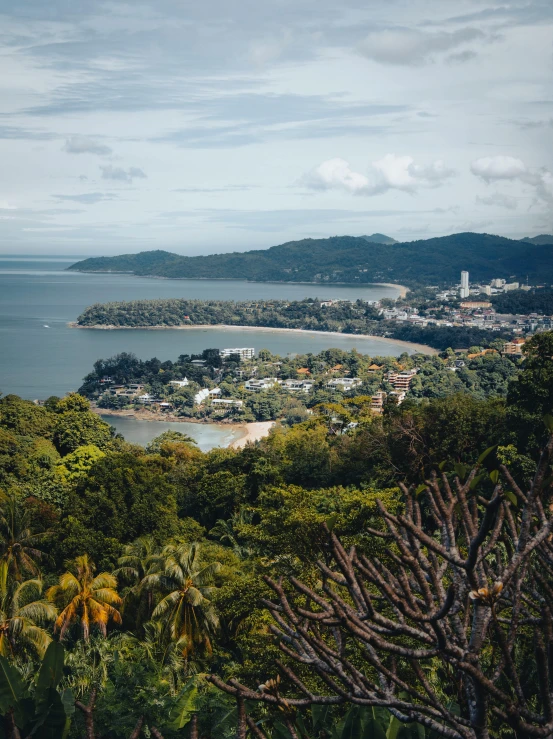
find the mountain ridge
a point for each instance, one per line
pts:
(352, 260)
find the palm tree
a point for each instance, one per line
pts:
(92, 601)
(140, 558)
(186, 612)
(18, 544)
(23, 613)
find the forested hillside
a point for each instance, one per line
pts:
(353, 260)
(317, 584)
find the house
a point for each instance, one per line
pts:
(227, 403)
(297, 386)
(244, 353)
(180, 383)
(399, 396)
(344, 384)
(198, 362)
(374, 368)
(147, 399)
(257, 386)
(303, 371)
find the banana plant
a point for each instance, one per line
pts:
(39, 709)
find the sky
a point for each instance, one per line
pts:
(217, 126)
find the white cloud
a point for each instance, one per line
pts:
(122, 175)
(499, 199)
(85, 145)
(392, 172)
(7, 206)
(501, 167)
(410, 46)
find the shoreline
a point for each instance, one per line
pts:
(420, 348)
(403, 290)
(248, 432)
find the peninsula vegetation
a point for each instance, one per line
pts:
(388, 579)
(310, 314)
(346, 387)
(356, 260)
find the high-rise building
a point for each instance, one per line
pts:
(464, 291)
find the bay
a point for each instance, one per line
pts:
(41, 356)
(206, 435)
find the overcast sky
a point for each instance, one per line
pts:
(218, 125)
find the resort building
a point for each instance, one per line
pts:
(344, 384)
(401, 380)
(377, 402)
(244, 353)
(227, 403)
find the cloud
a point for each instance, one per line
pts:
(461, 57)
(85, 145)
(89, 198)
(500, 199)
(491, 169)
(4, 205)
(410, 46)
(122, 175)
(392, 172)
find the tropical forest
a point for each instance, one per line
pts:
(391, 578)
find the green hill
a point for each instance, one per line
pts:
(541, 239)
(351, 259)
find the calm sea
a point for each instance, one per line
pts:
(41, 356)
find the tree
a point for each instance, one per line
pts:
(23, 615)
(18, 544)
(185, 611)
(77, 428)
(85, 599)
(530, 394)
(452, 630)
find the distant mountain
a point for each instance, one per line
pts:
(540, 240)
(379, 239)
(351, 259)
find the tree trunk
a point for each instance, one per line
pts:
(241, 726)
(136, 731)
(194, 727)
(88, 712)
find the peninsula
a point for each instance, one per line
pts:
(352, 259)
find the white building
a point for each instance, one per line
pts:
(464, 292)
(200, 396)
(244, 353)
(297, 386)
(180, 383)
(344, 384)
(257, 386)
(227, 402)
(146, 399)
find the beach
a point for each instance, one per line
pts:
(422, 348)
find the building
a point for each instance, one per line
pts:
(200, 396)
(513, 347)
(398, 395)
(227, 403)
(465, 290)
(147, 399)
(511, 286)
(377, 402)
(180, 383)
(401, 380)
(475, 305)
(257, 386)
(497, 283)
(243, 353)
(297, 386)
(344, 384)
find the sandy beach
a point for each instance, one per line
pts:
(422, 348)
(254, 432)
(249, 432)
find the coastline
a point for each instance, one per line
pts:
(248, 432)
(421, 348)
(403, 290)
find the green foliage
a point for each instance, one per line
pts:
(350, 259)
